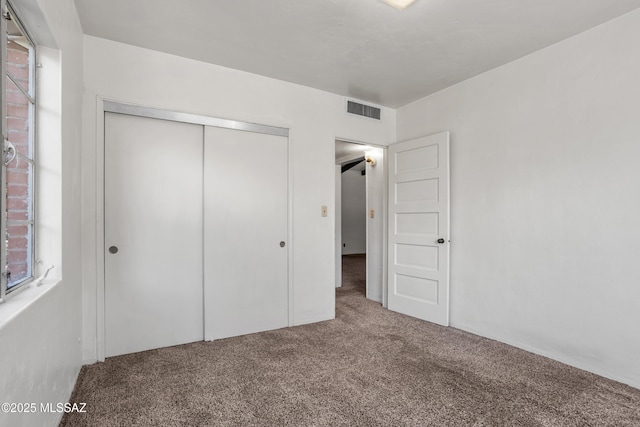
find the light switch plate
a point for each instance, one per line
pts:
(323, 211)
(372, 213)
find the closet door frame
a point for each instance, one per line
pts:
(107, 105)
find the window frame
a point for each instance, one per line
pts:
(9, 13)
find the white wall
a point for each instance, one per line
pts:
(376, 200)
(545, 199)
(354, 211)
(129, 74)
(40, 344)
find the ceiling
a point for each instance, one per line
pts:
(363, 49)
(348, 151)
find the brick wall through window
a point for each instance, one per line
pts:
(18, 171)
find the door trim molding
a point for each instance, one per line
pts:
(101, 346)
(196, 119)
(104, 106)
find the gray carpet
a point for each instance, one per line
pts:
(369, 367)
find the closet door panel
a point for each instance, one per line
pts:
(153, 233)
(245, 238)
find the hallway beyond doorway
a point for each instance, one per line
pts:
(354, 274)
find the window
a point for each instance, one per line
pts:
(18, 162)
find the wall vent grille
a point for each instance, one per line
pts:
(363, 110)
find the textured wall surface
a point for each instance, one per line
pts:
(545, 199)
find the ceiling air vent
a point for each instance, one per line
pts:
(363, 110)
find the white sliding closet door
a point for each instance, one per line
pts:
(245, 246)
(153, 233)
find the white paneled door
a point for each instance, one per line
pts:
(246, 243)
(418, 281)
(153, 233)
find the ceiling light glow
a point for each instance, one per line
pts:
(399, 4)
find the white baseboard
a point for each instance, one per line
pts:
(551, 355)
(313, 319)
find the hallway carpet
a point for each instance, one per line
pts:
(368, 367)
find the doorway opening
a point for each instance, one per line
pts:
(360, 219)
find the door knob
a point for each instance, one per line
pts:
(441, 240)
(113, 250)
(282, 244)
